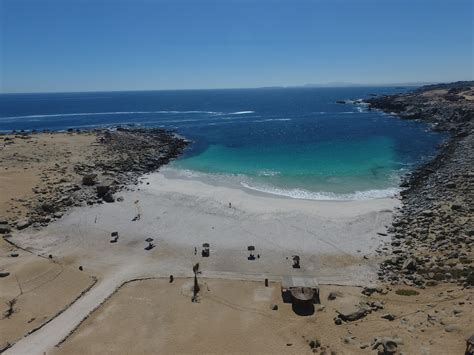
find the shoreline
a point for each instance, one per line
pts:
(432, 232)
(166, 181)
(227, 180)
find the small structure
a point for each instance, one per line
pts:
(296, 262)
(205, 250)
(149, 246)
(469, 345)
(114, 237)
(302, 292)
(302, 295)
(289, 283)
(251, 250)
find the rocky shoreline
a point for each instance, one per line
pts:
(432, 234)
(112, 163)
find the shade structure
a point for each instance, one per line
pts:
(302, 293)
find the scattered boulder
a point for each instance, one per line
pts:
(4, 228)
(274, 307)
(353, 314)
(368, 291)
(389, 345)
(451, 185)
(333, 295)
(102, 190)
(452, 328)
(314, 344)
(388, 316)
(427, 213)
(108, 197)
(89, 179)
(375, 305)
(409, 264)
(48, 207)
(23, 224)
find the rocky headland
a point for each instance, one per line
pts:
(433, 232)
(76, 168)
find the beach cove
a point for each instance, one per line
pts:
(94, 233)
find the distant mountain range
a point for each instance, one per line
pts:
(346, 84)
(341, 84)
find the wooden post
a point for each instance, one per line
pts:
(196, 284)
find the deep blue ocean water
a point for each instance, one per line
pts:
(296, 142)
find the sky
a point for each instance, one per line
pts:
(96, 45)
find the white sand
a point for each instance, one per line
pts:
(331, 237)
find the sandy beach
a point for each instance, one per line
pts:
(335, 240)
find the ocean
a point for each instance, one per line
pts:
(293, 142)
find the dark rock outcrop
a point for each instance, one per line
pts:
(125, 155)
(432, 234)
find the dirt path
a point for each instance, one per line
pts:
(43, 340)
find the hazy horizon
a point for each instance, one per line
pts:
(303, 86)
(101, 45)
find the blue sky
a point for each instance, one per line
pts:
(85, 45)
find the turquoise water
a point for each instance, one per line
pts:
(295, 142)
(335, 166)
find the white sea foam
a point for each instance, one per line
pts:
(240, 180)
(268, 173)
(77, 114)
(272, 119)
(241, 112)
(107, 113)
(324, 196)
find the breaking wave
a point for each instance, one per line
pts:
(273, 119)
(241, 112)
(123, 113)
(322, 195)
(244, 181)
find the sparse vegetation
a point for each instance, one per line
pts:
(11, 308)
(404, 292)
